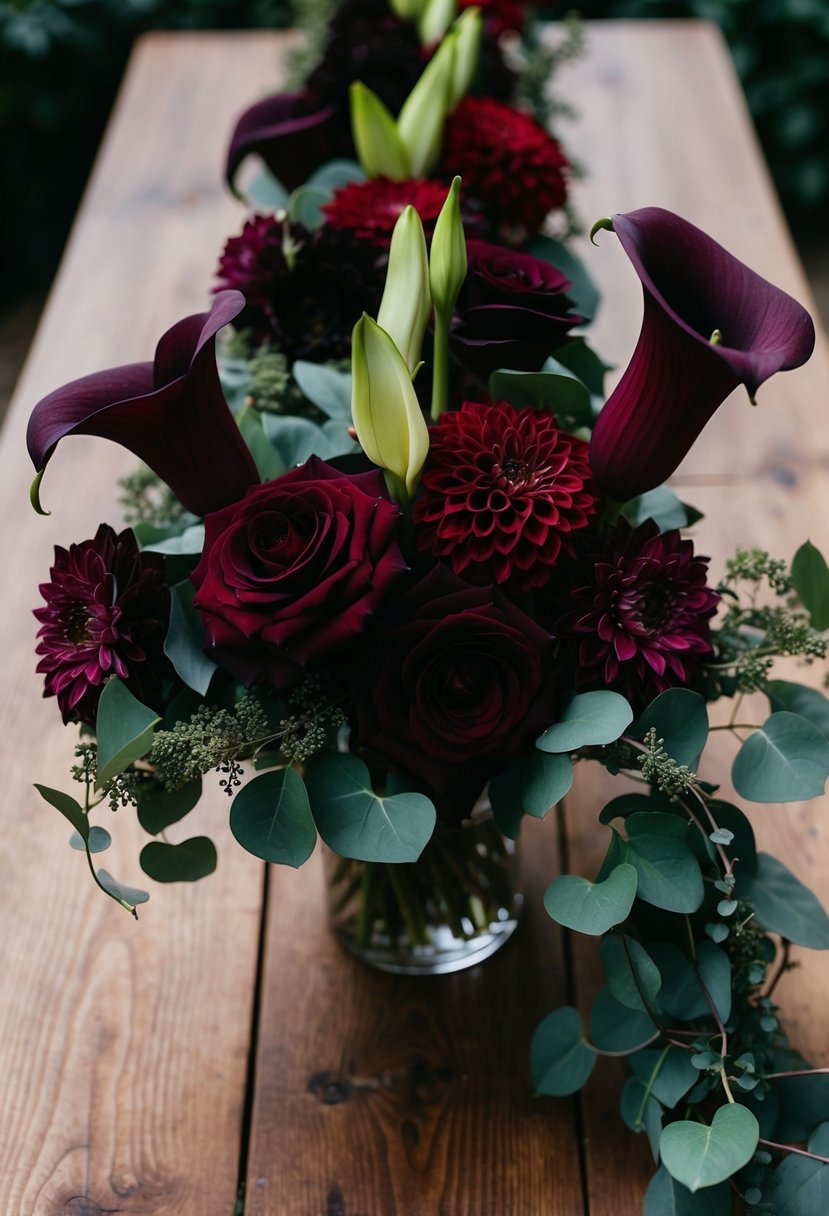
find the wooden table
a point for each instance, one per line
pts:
(151, 1068)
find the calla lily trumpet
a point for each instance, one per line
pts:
(710, 324)
(290, 131)
(171, 413)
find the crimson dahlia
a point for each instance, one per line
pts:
(370, 209)
(638, 617)
(106, 615)
(502, 492)
(507, 161)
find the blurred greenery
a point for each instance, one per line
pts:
(781, 51)
(61, 62)
(60, 65)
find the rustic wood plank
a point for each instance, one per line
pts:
(407, 1097)
(662, 121)
(123, 1046)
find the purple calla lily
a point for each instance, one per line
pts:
(171, 413)
(290, 131)
(709, 324)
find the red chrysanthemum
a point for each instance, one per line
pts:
(370, 209)
(106, 615)
(502, 492)
(638, 616)
(507, 161)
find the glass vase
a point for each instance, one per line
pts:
(452, 908)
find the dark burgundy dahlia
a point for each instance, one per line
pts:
(370, 209)
(507, 161)
(639, 613)
(304, 290)
(502, 492)
(106, 614)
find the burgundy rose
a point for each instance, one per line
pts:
(512, 312)
(508, 162)
(289, 574)
(457, 680)
(106, 614)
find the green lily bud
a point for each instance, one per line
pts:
(406, 10)
(434, 20)
(380, 149)
(447, 260)
(407, 301)
(469, 29)
(422, 119)
(386, 413)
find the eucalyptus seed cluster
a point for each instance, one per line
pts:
(306, 731)
(212, 738)
(662, 770)
(120, 791)
(145, 499)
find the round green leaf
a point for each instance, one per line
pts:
(158, 808)
(544, 782)
(127, 896)
(799, 699)
(640, 1111)
(592, 907)
(632, 975)
(356, 822)
(124, 729)
(505, 799)
(786, 760)
(561, 1059)
(271, 818)
(669, 873)
(590, 719)
(681, 720)
(699, 1156)
(186, 862)
(327, 387)
(802, 1183)
(810, 576)
(185, 640)
(68, 806)
(667, 1197)
(98, 842)
(667, 1072)
(782, 904)
(613, 1027)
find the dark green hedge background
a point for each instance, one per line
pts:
(61, 61)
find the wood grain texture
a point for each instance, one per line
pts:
(383, 1096)
(662, 122)
(123, 1046)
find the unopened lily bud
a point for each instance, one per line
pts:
(385, 409)
(406, 10)
(407, 301)
(423, 116)
(434, 20)
(447, 260)
(468, 30)
(380, 149)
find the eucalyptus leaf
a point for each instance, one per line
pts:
(186, 862)
(669, 873)
(641, 1112)
(505, 799)
(680, 718)
(592, 907)
(188, 542)
(271, 818)
(265, 193)
(802, 1184)
(786, 760)
(667, 1197)
(305, 205)
(589, 719)
(804, 1102)
(124, 729)
(564, 394)
(625, 805)
(683, 995)
(698, 1155)
(561, 1059)
(613, 1027)
(158, 808)
(782, 904)
(269, 462)
(296, 439)
(185, 640)
(661, 505)
(98, 842)
(356, 822)
(810, 576)
(632, 975)
(809, 703)
(545, 779)
(584, 363)
(335, 174)
(68, 806)
(667, 1072)
(128, 897)
(328, 388)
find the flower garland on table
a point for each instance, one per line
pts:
(390, 586)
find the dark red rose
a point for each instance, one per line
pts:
(370, 209)
(507, 161)
(513, 310)
(502, 492)
(289, 573)
(107, 611)
(498, 15)
(638, 613)
(457, 680)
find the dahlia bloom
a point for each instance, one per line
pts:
(709, 324)
(170, 413)
(106, 615)
(507, 161)
(502, 492)
(370, 209)
(639, 613)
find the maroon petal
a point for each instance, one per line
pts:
(171, 414)
(289, 131)
(677, 378)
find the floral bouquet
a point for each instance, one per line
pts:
(398, 563)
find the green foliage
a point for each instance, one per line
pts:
(700, 1156)
(667, 1197)
(561, 1059)
(564, 394)
(810, 579)
(592, 907)
(159, 808)
(680, 719)
(784, 905)
(186, 862)
(184, 643)
(271, 818)
(212, 738)
(124, 729)
(786, 760)
(590, 718)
